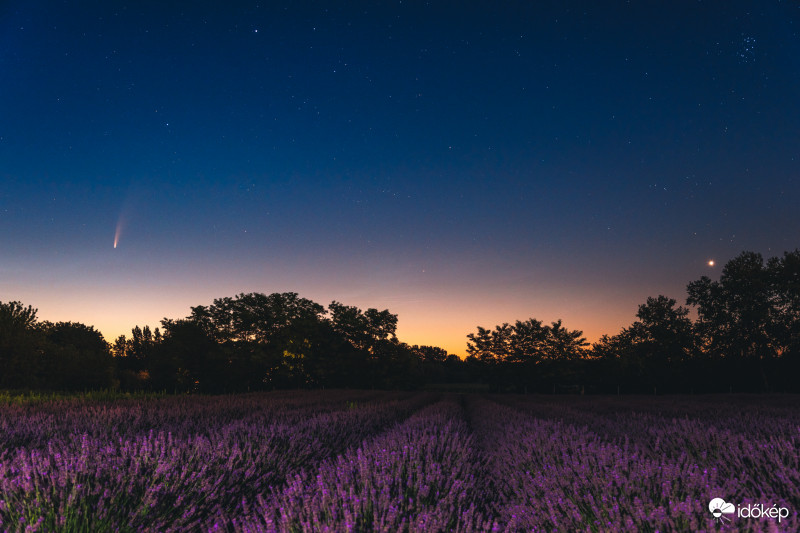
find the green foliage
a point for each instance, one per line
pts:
(36, 397)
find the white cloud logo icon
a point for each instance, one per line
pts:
(719, 508)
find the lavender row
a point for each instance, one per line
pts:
(33, 426)
(550, 475)
(376, 461)
(159, 482)
(423, 475)
(764, 463)
(755, 415)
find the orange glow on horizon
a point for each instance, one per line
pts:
(420, 325)
(435, 313)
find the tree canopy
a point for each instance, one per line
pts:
(746, 336)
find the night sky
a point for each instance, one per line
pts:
(459, 163)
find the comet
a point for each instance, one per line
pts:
(118, 232)
(126, 209)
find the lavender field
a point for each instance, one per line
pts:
(400, 461)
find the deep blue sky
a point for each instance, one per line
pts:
(460, 163)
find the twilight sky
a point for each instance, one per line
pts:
(459, 163)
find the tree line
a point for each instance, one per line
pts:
(244, 343)
(745, 337)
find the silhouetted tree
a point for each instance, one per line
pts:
(564, 345)
(735, 315)
(489, 346)
(375, 354)
(268, 338)
(749, 320)
(784, 280)
(255, 316)
(748, 325)
(21, 346)
(77, 357)
(439, 366)
(526, 353)
(42, 355)
(362, 329)
(133, 358)
(394, 365)
(611, 364)
(656, 348)
(784, 274)
(143, 343)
